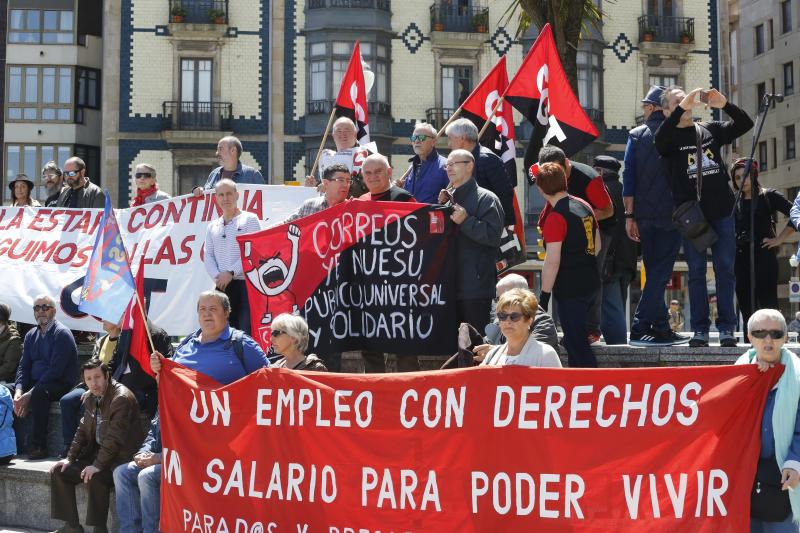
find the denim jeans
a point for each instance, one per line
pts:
(613, 322)
(71, 413)
(723, 257)
(138, 497)
(787, 526)
(660, 245)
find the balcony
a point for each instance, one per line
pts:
(198, 11)
(464, 19)
(314, 107)
(383, 5)
(657, 29)
(437, 116)
(197, 116)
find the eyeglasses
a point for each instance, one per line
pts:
(143, 175)
(514, 317)
(774, 334)
(451, 164)
(421, 137)
(49, 176)
(71, 173)
(43, 307)
(340, 181)
(277, 333)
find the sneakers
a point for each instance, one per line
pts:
(656, 338)
(700, 340)
(37, 453)
(727, 339)
(70, 529)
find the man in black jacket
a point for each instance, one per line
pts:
(479, 215)
(489, 171)
(676, 141)
(80, 193)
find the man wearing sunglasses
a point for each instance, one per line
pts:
(80, 193)
(427, 175)
(47, 371)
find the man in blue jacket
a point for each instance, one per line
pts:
(229, 151)
(47, 371)
(647, 198)
(427, 175)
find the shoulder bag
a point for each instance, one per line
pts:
(688, 218)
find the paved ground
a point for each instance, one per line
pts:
(4, 529)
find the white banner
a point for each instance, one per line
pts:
(46, 251)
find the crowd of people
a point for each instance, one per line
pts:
(593, 225)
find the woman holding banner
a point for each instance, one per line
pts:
(290, 339)
(516, 310)
(775, 498)
(21, 188)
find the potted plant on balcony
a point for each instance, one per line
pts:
(217, 16)
(480, 22)
(178, 12)
(686, 37)
(648, 34)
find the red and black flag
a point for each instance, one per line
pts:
(541, 91)
(352, 99)
(500, 138)
(372, 276)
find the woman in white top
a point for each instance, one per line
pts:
(516, 310)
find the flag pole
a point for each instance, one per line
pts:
(324, 138)
(489, 120)
(144, 319)
(438, 134)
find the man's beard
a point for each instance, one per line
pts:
(52, 189)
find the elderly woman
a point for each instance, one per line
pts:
(774, 502)
(21, 188)
(516, 310)
(216, 349)
(147, 186)
(290, 339)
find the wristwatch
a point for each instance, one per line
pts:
(628, 215)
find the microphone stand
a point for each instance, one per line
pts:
(754, 194)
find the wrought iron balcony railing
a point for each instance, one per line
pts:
(468, 19)
(325, 106)
(199, 11)
(213, 116)
(383, 5)
(438, 116)
(666, 29)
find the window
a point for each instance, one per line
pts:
(589, 84)
(664, 80)
(788, 78)
(760, 41)
(39, 94)
(734, 37)
(788, 135)
(774, 153)
(88, 94)
(762, 156)
(786, 16)
(319, 86)
(40, 26)
(374, 56)
(456, 86)
(770, 34)
(761, 90)
(29, 160)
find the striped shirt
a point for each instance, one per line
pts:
(309, 207)
(221, 248)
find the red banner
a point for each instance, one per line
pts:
(482, 449)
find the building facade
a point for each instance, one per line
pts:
(764, 41)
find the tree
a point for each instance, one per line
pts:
(568, 18)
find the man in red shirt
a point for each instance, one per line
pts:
(570, 273)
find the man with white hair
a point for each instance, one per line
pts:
(47, 371)
(427, 175)
(489, 171)
(794, 325)
(377, 177)
(348, 152)
(229, 153)
(223, 260)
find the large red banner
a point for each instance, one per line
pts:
(483, 449)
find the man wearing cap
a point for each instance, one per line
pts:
(619, 262)
(647, 197)
(21, 189)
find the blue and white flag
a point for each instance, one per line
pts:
(108, 286)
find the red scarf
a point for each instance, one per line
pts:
(141, 194)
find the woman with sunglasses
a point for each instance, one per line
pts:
(290, 340)
(147, 186)
(775, 499)
(770, 202)
(21, 189)
(516, 310)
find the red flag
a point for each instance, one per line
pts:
(540, 91)
(140, 347)
(500, 139)
(352, 99)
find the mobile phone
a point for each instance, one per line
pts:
(704, 96)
